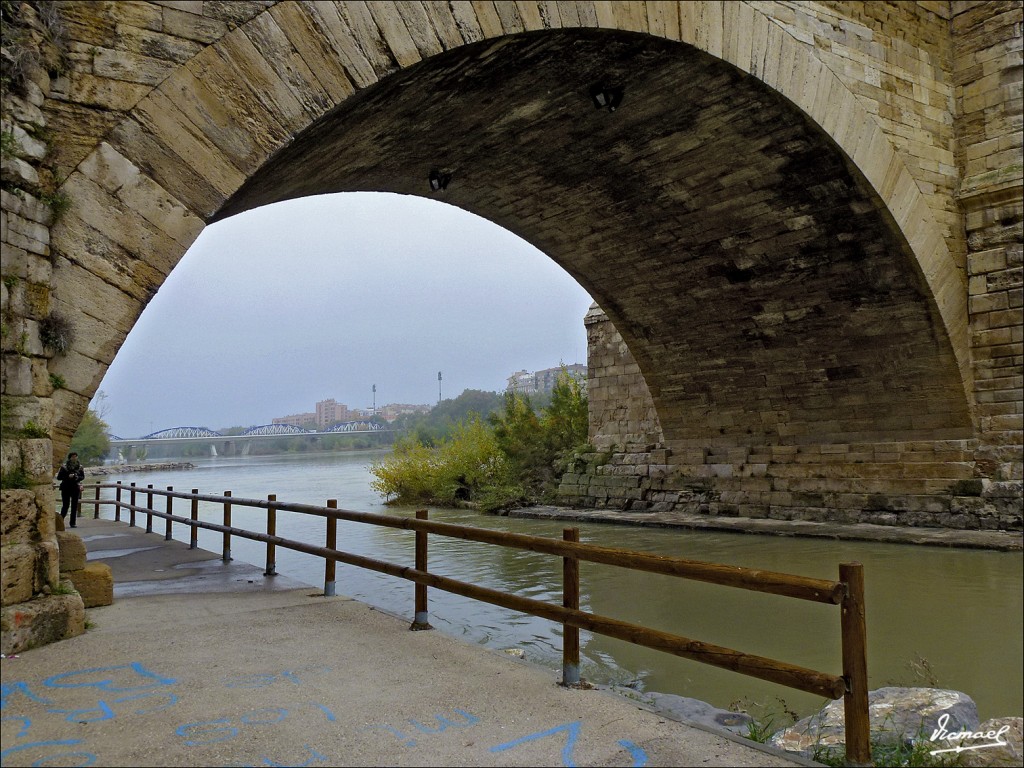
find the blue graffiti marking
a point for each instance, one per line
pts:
(572, 730)
(330, 715)
(637, 753)
(397, 733)
(172, 700)
(9, 689)
(445, 722)
(229, 732)
(106, 712)
(87, 756)
(314, 757)
(265, 679)
(26, 724)
(82, 715)
(253, 718)
(108, 685)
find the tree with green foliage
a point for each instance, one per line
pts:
(433, 427)
(92, 439)
(514, 456)
(461, 468)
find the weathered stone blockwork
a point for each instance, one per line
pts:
(989, 69)
(805, 221)
(31, 613)
(621, 409)
(939, 483)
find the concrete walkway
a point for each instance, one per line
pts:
(203, 663)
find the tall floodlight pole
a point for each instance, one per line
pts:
(438, 387)
(375, 399)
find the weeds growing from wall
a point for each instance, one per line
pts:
(56, 333)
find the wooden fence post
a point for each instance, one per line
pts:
(131, 503)
(570, 599)
(421, 619)
(271, 531)
(855, 666)
(167, 528)
(96, 507)
(193, 539)
(149, 508)
(330, 564)
(226, 549)
(117, 506)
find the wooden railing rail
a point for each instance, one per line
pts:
(847, 592)
(788, 585)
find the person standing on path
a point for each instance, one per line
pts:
(70, 477)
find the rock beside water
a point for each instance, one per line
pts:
(1012, 753)
(905, 716)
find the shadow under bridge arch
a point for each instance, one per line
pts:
(766, 292)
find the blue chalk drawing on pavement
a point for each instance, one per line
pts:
(108, 685)
(134, 679)
(572, 731)
(444, 722)
(261, 680)
(222, 729)
(86, 758)
(315, 757)
(638, 755)
(26, 724)
(7, 690)
(394, 731)
(105, 711)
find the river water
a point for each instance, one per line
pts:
(935, 615)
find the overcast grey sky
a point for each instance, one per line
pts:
(274, 309)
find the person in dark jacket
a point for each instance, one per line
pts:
(70, 476)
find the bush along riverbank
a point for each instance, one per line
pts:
(513, 457)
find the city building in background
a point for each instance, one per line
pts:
(304, 420)
(330, 412)
(542, 382)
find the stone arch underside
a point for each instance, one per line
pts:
(761, 285)
(768, 293)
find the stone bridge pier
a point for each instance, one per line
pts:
(801, 221)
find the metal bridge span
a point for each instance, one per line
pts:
(229, 445)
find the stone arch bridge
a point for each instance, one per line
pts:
(801, 221)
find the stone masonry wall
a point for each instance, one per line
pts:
(621, 409)
(990, 117)
(962, 84)
(31, 613)
(917, 483)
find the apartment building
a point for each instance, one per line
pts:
(542, 382)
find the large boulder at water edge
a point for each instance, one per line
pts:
(898, 715)
(1010, 752)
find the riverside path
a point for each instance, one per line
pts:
(201, 662)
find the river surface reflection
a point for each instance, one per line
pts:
(958, 610)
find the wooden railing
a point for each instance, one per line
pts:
(847, 592)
